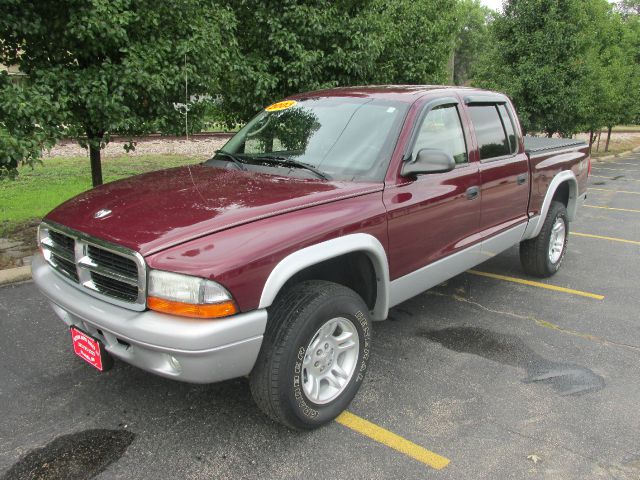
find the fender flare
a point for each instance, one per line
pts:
(314, 254)
(535, 223)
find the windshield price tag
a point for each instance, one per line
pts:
(281, 105)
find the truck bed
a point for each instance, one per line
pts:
(545, 145)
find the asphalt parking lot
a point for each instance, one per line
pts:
(482, 377)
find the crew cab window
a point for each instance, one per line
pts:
(490, 131)
(442, 129)
(507, 121)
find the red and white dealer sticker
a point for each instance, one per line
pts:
(89, 349)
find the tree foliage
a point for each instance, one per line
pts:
(102, 67)
(567, 64)
(539, 57)
(417, 39)
(289, 46)
(473, 40)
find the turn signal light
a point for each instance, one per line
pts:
(211, 310)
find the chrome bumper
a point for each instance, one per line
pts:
(191, 350)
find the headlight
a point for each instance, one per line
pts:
(188, 296)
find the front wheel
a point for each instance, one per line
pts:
(542, 256)
(314, 354)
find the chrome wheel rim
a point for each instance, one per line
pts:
(330, 360)
(556, 242)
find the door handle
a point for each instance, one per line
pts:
(522, 178)
(473, 193)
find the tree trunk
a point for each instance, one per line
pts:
(94, 157)
(598, 144)
(606, 147)
(590, 141)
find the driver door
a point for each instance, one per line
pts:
(434, 215)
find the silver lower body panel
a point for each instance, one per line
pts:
(190, 350)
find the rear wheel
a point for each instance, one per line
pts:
(542, 256)
(314, 354)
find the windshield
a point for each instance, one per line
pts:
(344, 138)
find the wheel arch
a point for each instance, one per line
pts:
(563, 187)
(296, 263)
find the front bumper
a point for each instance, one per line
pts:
(191, 350)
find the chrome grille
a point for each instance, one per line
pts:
(113, 273)
(115, 288)
(118, 263)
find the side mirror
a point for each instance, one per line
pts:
(429, 160)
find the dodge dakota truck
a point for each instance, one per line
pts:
(272, 259)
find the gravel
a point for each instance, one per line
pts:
(199, 146)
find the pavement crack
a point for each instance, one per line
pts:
(555, 445)
(539, 322)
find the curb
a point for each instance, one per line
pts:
(14, 275)
(617, 155)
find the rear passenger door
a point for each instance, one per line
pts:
(504, 166)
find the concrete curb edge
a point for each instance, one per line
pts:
(617, 155)
(14, 275)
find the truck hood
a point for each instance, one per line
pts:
(150, 212)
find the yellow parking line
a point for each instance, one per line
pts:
(613, 239)
(612, 208)
(615, 191)
(537, 284)
(392, 440)
(611, 178)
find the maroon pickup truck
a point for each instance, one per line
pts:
(272, 259)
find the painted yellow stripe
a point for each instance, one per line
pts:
(392, 440)
(615, 191)
(611, 178)
(612, 208)
(537, 284)
(613, 239)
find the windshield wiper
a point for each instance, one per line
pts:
(231, 157)
(289, 162)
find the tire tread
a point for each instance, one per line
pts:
(264, 379)
(534, 252)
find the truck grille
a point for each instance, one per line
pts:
(113, 273)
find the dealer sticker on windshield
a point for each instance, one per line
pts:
(281, 105)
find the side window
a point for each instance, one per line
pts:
(441, 129)
(490, 133)
(507, 121)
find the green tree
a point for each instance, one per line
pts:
(417, 40)
(616, 99)
(631, 41)
(285, 47)
(102, 67)
(473, 40)
(545, 55)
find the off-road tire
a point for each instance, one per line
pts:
(294, 318)
(534, 253)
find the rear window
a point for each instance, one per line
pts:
(490, 131)
(508, 126)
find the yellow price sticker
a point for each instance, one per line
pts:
(281, 105)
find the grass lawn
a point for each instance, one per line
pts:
(626, 128)
(620, 142)
(24, 201)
